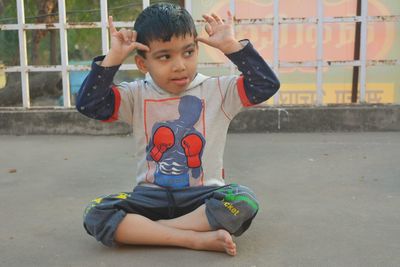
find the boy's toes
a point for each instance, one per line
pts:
(229, 242)
(231, 252)
(230, 246)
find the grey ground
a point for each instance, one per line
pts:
(327, 199)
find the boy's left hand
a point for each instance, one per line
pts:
(220, 35)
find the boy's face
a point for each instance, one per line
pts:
(173, 64)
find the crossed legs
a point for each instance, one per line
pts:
(116, 218)
(190, 231)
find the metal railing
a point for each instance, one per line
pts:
(275, 21)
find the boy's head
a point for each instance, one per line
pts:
(162, 21)
(169, 31)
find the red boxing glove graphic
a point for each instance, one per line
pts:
(192, 144)
(163, 139)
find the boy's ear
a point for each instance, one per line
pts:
(141, 64)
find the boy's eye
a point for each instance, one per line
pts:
(189, 53)
(163, 57)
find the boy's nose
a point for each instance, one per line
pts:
(179, 65)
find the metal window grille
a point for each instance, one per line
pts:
(275, 21)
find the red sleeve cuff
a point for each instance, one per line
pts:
(242, 92)
(117, 103)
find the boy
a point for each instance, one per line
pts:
(180, 120)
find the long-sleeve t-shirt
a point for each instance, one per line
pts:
(180, 139)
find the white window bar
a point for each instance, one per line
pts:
(188, 5)
(104, 29)
(282, 64)
(64, 53)
(146, 3)
(232, 9)
(261, 21)
(276, 46)
(320, 51)
(363, 49)
(23, 55)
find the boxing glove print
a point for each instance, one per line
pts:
(163, 139)
(192, 145)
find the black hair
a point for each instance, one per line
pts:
(162, 21)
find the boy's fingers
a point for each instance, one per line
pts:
(210, 20)
(125, 34)
(230, 17)
(208, 29)
(203, 40)
(128, 35)
(216, 18)
(142, 47)
(111, 25)
(134, 36)
(137, 45)
(119, 35)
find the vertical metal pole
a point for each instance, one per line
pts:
(23, 54)
(320, 51)
(354, 89)
(188, 5)
(146, 3)
(276, 45)
(104, 30)
(232, 5)
(64, 53)
(232, 8)
(363, 49)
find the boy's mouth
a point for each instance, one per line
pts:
(180, 81)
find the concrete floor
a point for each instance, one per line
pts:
(327, 199)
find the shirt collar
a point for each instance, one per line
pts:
(200, 78)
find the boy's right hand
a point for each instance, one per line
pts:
(123, 42)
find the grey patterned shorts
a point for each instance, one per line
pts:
(230, 207)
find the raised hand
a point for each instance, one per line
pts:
(220, 35)
(123, 42)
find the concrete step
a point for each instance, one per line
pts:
(19, 121)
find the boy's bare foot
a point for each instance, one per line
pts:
(219, 240)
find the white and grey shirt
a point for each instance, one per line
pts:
(180, 139)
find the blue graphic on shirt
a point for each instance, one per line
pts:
(177, 147)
